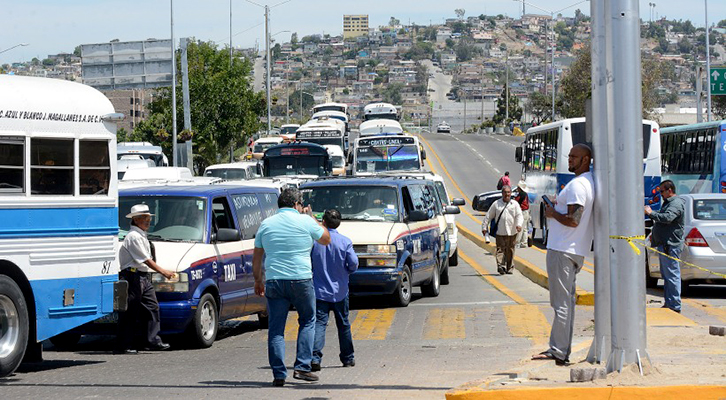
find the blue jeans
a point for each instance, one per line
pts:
(670, 270)
(340, 311)
(280, 295)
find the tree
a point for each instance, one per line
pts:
(466, 50)
(224, 109)
(662, 47)
(419, 51)
(515, 111)
(684, 46)
(540, 106)
(722, 23)
(392, 93)
(77, 51)
(394, 22)
(122, 135)
(293, 38)
(49, 62)
(294, 100)
(460, 13)
(718, 104)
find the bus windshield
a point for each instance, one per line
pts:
(369, 117)
(357, 203)
(176, 219)
(338, 141)
(261, 147)
(309, 165)
(388, 158)
(288, 130)
(158, 159)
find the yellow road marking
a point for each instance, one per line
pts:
(291, 326)
(372, 324)
(526, 320)
(666, 317)
(717, 312)
(485, 274)
(445, 323)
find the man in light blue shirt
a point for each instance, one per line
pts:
(332, 265)
(285, 241)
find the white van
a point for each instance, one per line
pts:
(132, 161)
(264, 143)
(337, 157)
(244, 170)
(145, 150)
(156, 176)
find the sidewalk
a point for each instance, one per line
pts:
(687, 362)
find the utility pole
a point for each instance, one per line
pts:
(269, 70)
(482, 93)
(708, 62)
(699, 94)
(464, 112)
(175, 161)
(597, 123)
(552, 62)
(287, 91)
(230, 35)
(627, 281)
(506, 86)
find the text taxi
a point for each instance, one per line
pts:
(394, 225)
(206, 234)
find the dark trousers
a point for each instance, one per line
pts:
(140, 323)
(505, 251)
(345, 340)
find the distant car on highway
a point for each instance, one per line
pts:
(443, 127)
(705, 246)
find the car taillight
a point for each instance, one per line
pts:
(695, 239)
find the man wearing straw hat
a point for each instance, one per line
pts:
(137, 263)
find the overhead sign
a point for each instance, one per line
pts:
(718, 81)
(318, 134)
(127, 65)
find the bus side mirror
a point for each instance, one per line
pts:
(457, 201)
(423, 154)
(518, 154)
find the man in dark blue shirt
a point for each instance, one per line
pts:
(332, 265)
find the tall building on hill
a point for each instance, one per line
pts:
(354, 26)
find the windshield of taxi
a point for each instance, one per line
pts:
(175, 219)
(387, 158)
(355, 203)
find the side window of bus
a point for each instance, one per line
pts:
(221, 214)
(51, 166)
(95, 170)
(12, 152)
(249, 213)
(268, 203)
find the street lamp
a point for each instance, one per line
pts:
(708, 63)
(552, 57)
(10, 48)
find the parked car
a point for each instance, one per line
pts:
(705, 242)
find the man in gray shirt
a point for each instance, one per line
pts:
(667, 236)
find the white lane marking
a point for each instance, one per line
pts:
(507, 143)
(472, 303)
(487, 162)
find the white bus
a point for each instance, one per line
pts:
(694, 157)
(341, 107)
(323, 131)
(58, 212)
(379, 127)
(544, 154)
(383, 154)
(380, 111)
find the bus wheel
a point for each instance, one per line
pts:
(206, 322)
(14, 326)
(65, 340)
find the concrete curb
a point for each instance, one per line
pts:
(529, 270)
(595, 393)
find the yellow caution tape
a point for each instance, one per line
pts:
(632, 241)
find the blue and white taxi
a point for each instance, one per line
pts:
(395, 228)
(206, 234)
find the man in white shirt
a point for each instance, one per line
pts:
(136, 264)
(507, 215)
(569, 241)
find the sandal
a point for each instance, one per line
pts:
(546, 355)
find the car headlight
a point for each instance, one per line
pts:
(178, 283)
(380, 262)
(380, 248)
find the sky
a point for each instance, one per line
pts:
(53, 26)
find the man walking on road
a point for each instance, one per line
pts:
(569, 240)
(507, 217)
(285, 240)
(332, 264)
(523, 200)
(667, 236)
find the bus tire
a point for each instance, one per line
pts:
(402, 295)
(65, 340)
(205, 324)
(15, 323)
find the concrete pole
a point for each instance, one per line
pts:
(506, 87)
(185, 84)
(597, 123)
(269, 70)
(482, 94)
(301, 93)
(230, 34)
(699, 94)
(708, 63)
(174, 157)
(626, 273)
(464, 113)
(552, 62)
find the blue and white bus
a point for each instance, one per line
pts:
(58, 212)
(694, 157)
(544, 153)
